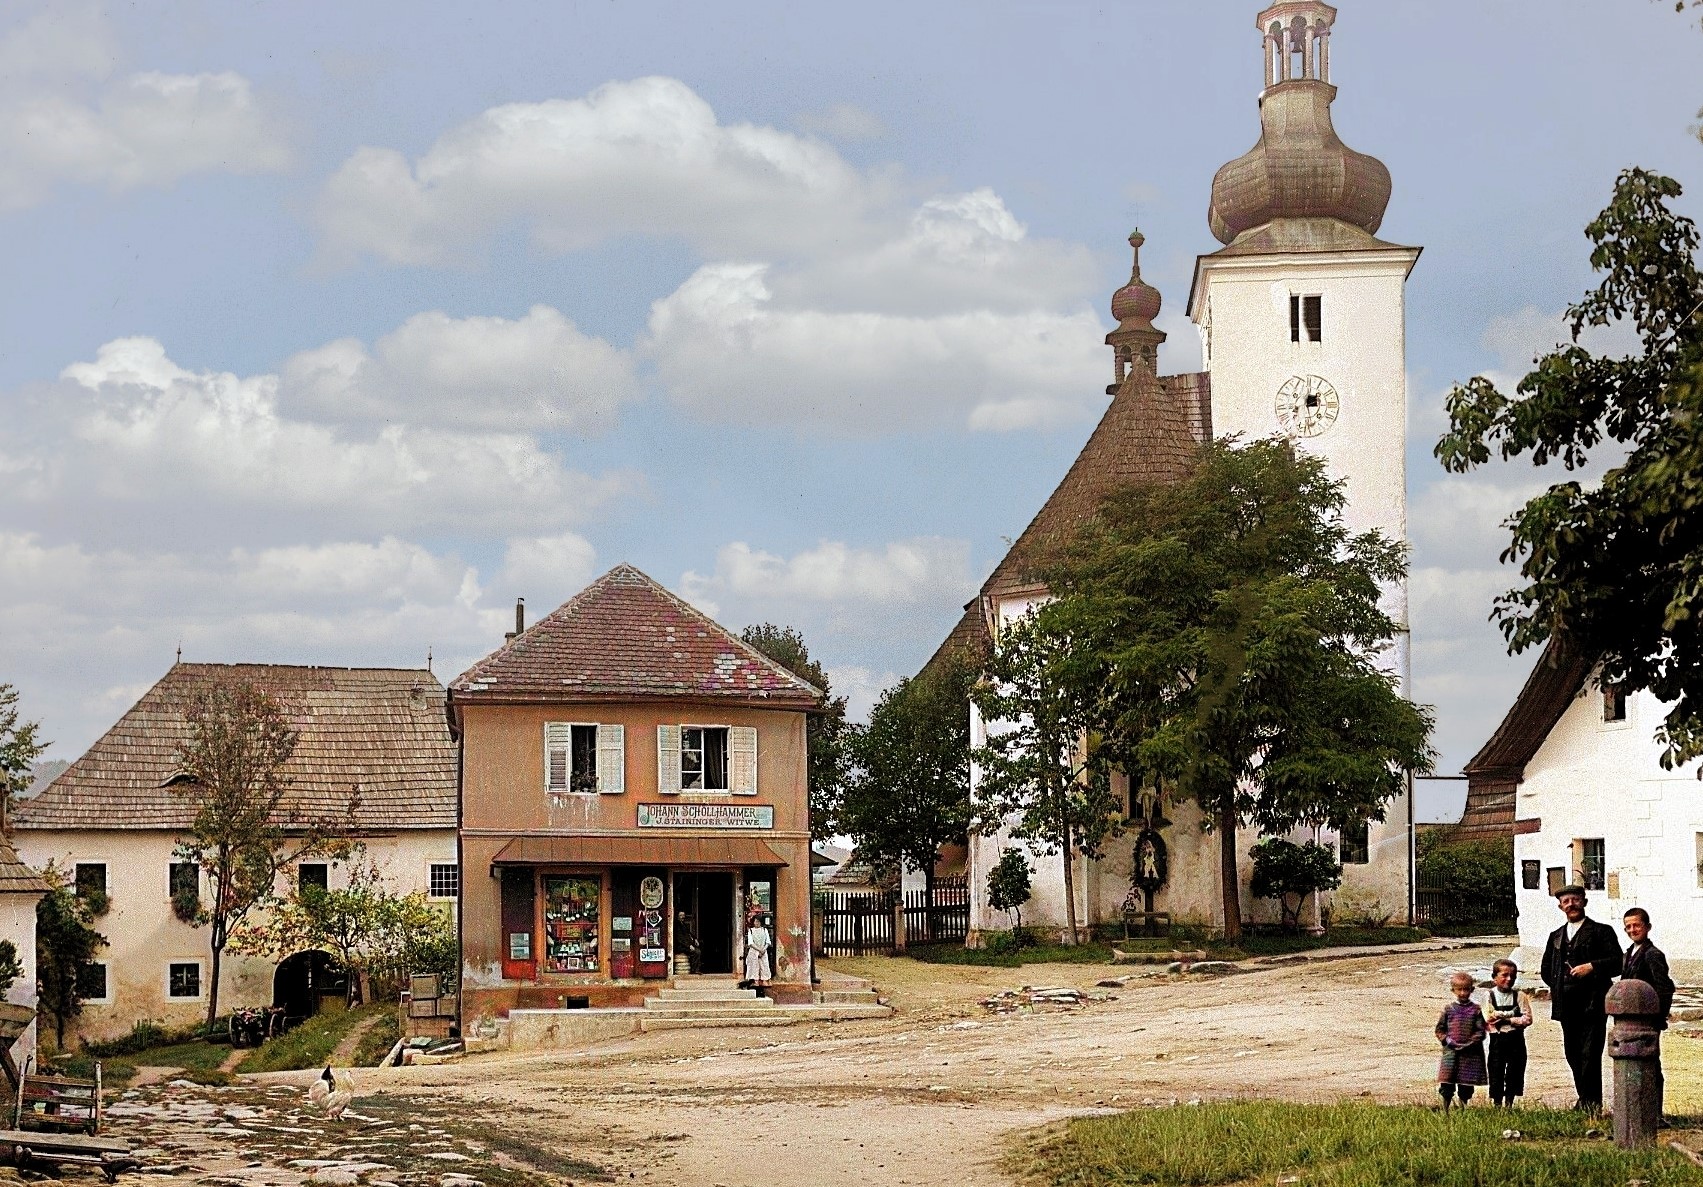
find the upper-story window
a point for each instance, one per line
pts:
(1306, 318)
(91, 880)
(583, 758)
(1613, 703)
(707, 758)
(1354, 844)
(312, 875)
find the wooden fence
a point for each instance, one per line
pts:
(861, 923)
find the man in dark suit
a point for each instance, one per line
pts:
(1646, 962)
(1580, 962)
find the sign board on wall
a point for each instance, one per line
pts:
(750, 816)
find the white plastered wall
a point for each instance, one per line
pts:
(1597, 779)
(17, 923)
(145, 937)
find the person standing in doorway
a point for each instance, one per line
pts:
(1580, 962)
(1647, 963)
(757, 945)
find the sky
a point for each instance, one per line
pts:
(327, 331)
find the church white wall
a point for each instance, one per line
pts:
(1597, 779)
(17, 923)
(144, 936)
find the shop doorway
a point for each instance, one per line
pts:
(704, 920)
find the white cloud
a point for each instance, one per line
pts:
(547, 569)
(536, 372)
(133, 430)
(904, 571)
(845, 122)
(62, 119)
(646, 156)
(726, 349)
(861, 687)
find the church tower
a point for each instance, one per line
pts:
(1302, 313)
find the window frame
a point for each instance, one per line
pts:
(1355, 850)
(106, 982)
(432, 869)
(602, 743)
(172, 867)
(1306, 319)
(303, 866)
(1592, 868)
(200, 967)
(1531, 874)
(725, 732)
(77, 869)
(1613, 698)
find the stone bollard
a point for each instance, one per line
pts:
(1635, 1044)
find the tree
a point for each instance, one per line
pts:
(1283, 869)
(1045, 777)
(374, 933)
(20, 746)
(231, 774)
(824, 732)
(1230, 628)
(1612, 568)
(1476, 875)
(11, 968)
(65, 943)
(1008, 885)
(907, 786)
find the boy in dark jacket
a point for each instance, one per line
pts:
(1647, 963)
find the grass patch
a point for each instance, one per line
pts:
(515, 1161)
(311, 1043)
(1353, 1144)
(1100, 951)
(197, 1059)
(378, 1041)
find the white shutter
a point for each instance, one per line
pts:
(668, 759)
(611, 759)
(742, 760)
(558, 756)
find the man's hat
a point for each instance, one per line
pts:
(1578, 890)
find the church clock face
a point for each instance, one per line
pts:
(1306, 406)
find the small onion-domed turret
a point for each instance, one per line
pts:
(1136, 301)
(1136, 340)
(1300, 169)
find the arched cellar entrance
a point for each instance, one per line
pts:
(304, 981)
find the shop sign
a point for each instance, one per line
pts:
(706, 816)
(653, 955)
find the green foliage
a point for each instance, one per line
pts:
(311, 1043)
(1284, 870)
(1477, 875)
(232, 763)
(907, 790)
(376, 1043)
(20, 746)
(1009, 887)
(11, 968)
(1045, 778)
(65, 940)
(1354, 1144)
(825, 732)
(1612, 568)
(379, 936)
(1226, 638)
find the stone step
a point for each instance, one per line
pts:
(748, 1006)
(652, 1022)
(847, 997)
(705, 994)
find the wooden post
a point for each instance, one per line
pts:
(898, 921)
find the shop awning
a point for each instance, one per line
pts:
(637, 851)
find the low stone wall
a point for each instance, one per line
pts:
(567, 1030)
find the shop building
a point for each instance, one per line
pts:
(633, 797)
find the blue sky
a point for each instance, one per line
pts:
(330, 330)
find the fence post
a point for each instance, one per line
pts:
(899, 921)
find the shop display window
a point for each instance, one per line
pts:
(571, 908)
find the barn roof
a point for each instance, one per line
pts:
(379, 731)
(15, 876)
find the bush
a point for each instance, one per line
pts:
(1283, 869)
(1359, 908)
(1002, 943)
(1008, 884)
(1477, 877)
(11, 968)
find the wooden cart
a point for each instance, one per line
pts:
(57, 1104)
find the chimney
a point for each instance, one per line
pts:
(519, 618)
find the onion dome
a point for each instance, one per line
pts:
(1300, 169)
(1136, 340)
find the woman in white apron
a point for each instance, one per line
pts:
(757, 945)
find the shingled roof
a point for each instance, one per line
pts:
(625, 637)
(15, 876)
(379, 730)
(1150, 433)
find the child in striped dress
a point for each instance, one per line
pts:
(1461, 1030)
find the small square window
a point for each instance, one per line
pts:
(1613, 703)
(1354, 844)
(1557, 878)
(91, 878)
(91, 981)
(312, 875)
(1531, 874)
(444, 880)
(703, 758)
(184, 979)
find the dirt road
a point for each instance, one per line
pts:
(934, 1094)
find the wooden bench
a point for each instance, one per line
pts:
(46, 1153)
(1152, 923)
